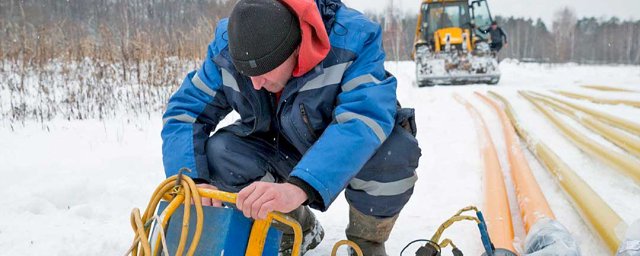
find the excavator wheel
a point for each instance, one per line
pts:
(494, 81)
(426, 84)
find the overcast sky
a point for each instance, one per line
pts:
(624, 9)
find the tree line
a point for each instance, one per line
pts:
(587, 40)
(131, 30)
(80, 59)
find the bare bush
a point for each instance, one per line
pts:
(65, 63)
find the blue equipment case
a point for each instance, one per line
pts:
(225, 232)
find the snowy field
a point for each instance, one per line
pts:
(69, 189)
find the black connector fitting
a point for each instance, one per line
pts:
(428, 250)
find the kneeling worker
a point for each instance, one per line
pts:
(318, 115)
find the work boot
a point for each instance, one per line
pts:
(312, 231)
(369, 233)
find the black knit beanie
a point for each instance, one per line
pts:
(262, 35)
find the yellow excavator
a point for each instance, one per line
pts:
(452, 43)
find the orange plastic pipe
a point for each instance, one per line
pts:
(592, 208)
(496, 211)
(533, 205)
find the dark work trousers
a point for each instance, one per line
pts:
(496, 47)
(381, 188)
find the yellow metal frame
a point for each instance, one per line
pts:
(259, 230)
(351, 244)
(182, 191)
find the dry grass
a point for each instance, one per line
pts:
(73, 72)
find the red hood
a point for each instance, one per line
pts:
(315, 41)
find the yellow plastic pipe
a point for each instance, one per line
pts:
(607, 88)
(594, 211)
(497, 213)
(599, 100)
(533, 205)
(614, 120)
(624, 164)
(625, 141)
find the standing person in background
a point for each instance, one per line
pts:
(497, 35)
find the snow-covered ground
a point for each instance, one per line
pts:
(68, 188)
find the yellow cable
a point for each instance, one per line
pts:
(135, 215)
(186, 188)
(183, 194)
(446, 242)
(468, 208)
(185, 220)
(436, 236)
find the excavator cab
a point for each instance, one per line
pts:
(481, 19)
(444, 15)
(451, 44)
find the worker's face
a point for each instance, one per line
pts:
(275, 80)
(494, 26)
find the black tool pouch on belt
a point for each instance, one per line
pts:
(406, 117)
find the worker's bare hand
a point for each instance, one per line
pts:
(260, 198)
(208, 201)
